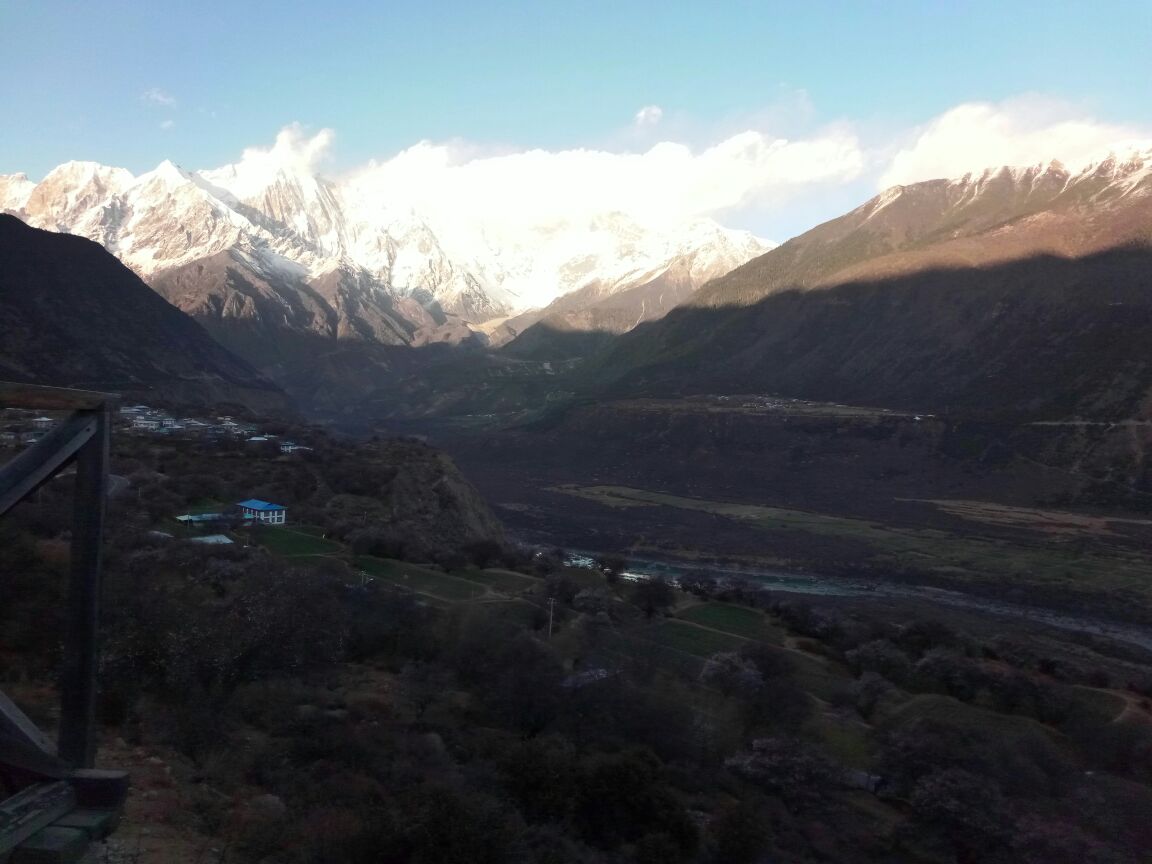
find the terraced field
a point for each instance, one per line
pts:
(737, 620)
(420, 579)
(291, 542)
(508, 581)
(691, 639)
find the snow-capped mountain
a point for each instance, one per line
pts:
(279, 234)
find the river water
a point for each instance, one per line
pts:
(829, 586)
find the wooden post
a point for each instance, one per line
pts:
(77, 744)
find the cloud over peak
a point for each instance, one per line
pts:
(1018, 132)
(667, 183)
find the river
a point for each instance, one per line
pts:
(830, 586)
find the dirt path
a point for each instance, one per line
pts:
(1133, 710)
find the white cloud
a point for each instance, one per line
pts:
(295, 151)
(667, 183)
(167, 124)
(1018, 132)
(294, 148)
(156, 96)
(648, 116)
(772, 184)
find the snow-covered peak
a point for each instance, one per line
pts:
(168, 173)
(280, 215)
(14, 191)
(71, 192)
(73, 174)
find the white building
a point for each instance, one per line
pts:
(264, 511)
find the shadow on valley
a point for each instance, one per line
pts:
(872, 430)
(1040, 338)
(894, 416)
(1045, 338)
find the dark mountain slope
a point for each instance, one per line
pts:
(1043, 338)
(72, 315)
(1026, 293)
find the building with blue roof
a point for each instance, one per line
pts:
(264, 511)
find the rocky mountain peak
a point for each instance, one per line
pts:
(287, 219)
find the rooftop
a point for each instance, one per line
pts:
(257, 504)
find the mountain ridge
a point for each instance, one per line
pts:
(292, 227)
(940, 267)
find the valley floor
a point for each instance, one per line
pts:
(856, 493)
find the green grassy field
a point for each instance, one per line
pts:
(290, 542)
(737, 620)
(313, 530)
(692, 640)
(850, 742)
(420, 579)
(502, 580)
(964, 716)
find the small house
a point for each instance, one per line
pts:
(212, 540)
(200, 518)
(148, 424)
(43, 423)
(264, 511)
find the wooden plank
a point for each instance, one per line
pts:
(15, 395)
(21, 476)
(77, 741)
(97, 824)
(53, 845)
(31, 810)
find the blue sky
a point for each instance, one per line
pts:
(132, 83)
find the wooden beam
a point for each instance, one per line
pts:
(32, 809)
(39, 462)
(77, 741)
(16, 725)
(15, 395)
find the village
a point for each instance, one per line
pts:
(20, 427)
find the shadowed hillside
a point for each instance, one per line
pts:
(72, 315)
(1042, 338)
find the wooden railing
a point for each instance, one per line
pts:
(60, 778)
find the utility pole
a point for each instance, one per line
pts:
(551, 607)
